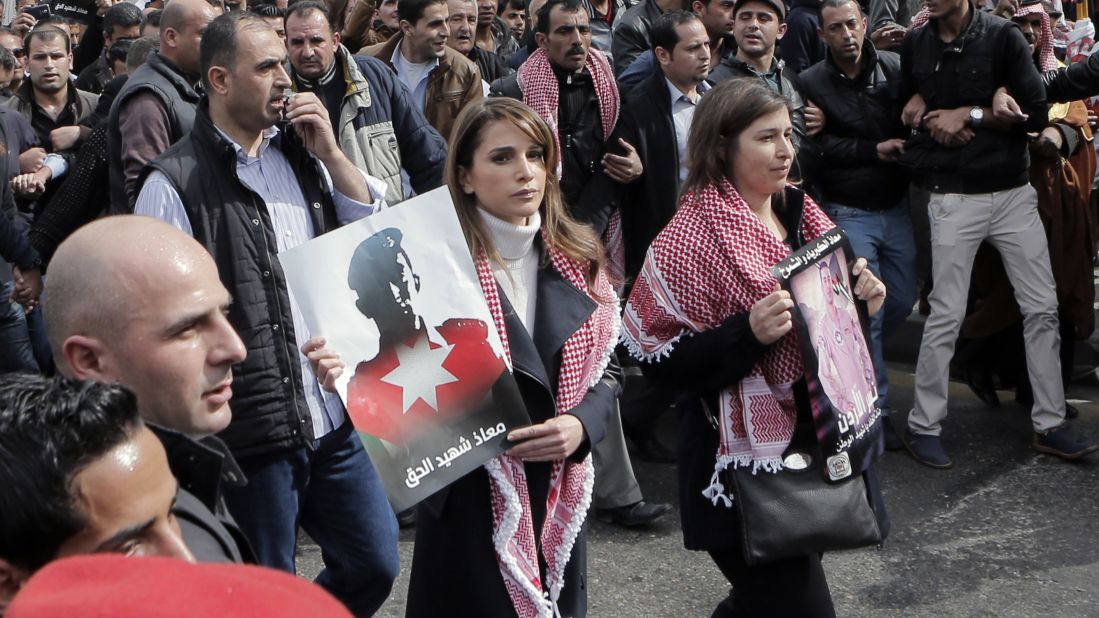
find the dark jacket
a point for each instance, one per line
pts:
(179, 98)
(990, 53)
(647, 124)
(202, 467)
(269, 408)
(1078, 80)
(591, 196)
(631, 37)
(859, 114)
(454, 565)
(492, 66)
(94, 76)
(701, 366)
(14, 246)
(801, 47)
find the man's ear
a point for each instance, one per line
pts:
(218, 78)
(336, 39)
(540, 39)
(406, 28)
(86, 358)
(662, 56)
(781, 29)
(12, 579)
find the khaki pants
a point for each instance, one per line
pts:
(1009, 221)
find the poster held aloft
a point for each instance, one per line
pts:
(76, 10)
(427, 384)
(833, 332)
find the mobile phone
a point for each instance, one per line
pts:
(38, 11)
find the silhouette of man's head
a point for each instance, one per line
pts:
(381, 274)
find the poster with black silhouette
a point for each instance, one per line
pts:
(833, 332)
(427, 384)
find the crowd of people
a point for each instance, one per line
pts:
(625, 174)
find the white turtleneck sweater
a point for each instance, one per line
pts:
(519, 280)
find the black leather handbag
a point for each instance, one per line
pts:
(796, 512)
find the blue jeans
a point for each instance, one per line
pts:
(885, 239)
(336, 496)
(16, 353)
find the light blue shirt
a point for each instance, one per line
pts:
(406, 72)
(683, 113)
(270, 175)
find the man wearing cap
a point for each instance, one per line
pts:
(975, 167)
(757, 27)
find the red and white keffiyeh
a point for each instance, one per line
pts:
(1044, 51)
(712, 261)
(542, 93)
(584, 358)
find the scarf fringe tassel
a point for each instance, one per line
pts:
(716, 491)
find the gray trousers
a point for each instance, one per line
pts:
(1009, 221)
(615, 484)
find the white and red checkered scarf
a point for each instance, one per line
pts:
(542, 93)
(584, 358)
(713, 261)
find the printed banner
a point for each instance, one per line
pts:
(76, 10)
(833, 330)
(427, 383)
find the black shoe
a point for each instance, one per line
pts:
(1071, 411)
(980, 382)
(928, 450)
(889, 433)
(639, 513)
(1061, 443)
(407, 518)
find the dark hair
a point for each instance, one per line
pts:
(663, 33)
(46, 32)
(267, 10)
(722, 115)
(7, 59)
(412, 10)
(515, 4)
(119, 51)
(219, 41)
(570, 6)
(835, 4)
(302, 8)
(152, 18)
(121, 15)
(139, 52)
(50, 430)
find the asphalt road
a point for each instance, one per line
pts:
(1007, 532)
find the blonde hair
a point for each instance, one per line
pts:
(560, 231)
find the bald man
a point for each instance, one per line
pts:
(157, 105)
(150, 314)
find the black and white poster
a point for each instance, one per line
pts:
(427, 385)
(834, 335)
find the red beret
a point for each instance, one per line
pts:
(107, 585)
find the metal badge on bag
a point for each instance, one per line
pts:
(839, 466)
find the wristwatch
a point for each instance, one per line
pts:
(976, 116)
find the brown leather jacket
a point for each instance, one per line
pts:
(360, 32)
(451, 85)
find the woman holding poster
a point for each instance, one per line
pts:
(508, 538)
(706, 315)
